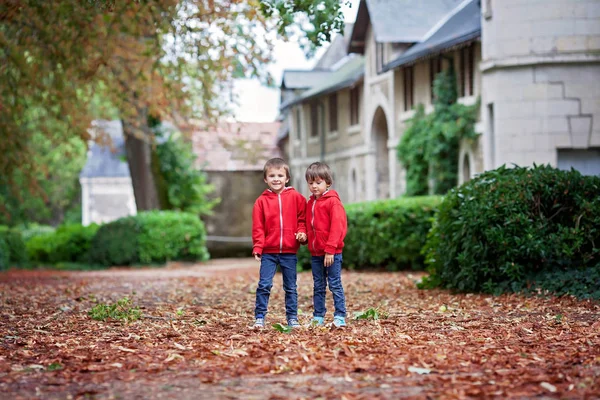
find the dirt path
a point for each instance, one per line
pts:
(194, 342)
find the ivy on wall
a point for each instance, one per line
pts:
(430, 145)
(182, 187)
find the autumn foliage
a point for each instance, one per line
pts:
(192, 339)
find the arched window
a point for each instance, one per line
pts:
(466, 170)
(353, 187)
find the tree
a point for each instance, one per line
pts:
(150, 59)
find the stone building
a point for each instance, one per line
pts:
(534, 65)
(231, 154)
(106, 190)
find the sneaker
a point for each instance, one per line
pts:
(339, 322)
(293, 323)
(317, 321)
(259, 323)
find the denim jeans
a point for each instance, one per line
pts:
(268, 266)
(331, 275)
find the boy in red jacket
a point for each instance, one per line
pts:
(278, 223)
(326, 232)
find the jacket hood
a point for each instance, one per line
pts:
(287, 189)
(331, 193)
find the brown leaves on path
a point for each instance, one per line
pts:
(194, 339)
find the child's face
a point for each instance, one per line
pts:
(276, 179)
(318, 187)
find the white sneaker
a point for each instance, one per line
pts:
(259, 323)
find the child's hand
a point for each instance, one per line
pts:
(328, 260)
(301, 237)
(257, 256)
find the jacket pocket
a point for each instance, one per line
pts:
(272, 239)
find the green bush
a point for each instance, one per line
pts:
(150, 237)
(501, 230)
(69, 243)
(4, 254)
(15, 252)
(385, 233)
(32, 230)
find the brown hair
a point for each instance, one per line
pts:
(277, 163)
(319, 170)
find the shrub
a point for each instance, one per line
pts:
(503, 228)
(32, 230)
(72, 243)
(15, 252)
(150, 237)
(69, 243)
(4, 254)
(385, 233)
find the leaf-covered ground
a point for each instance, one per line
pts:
(194, 340)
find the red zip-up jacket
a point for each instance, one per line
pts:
(276, 218)
(327, 224)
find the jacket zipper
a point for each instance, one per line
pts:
(280, 224)
(312, 223)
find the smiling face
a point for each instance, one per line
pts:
(276, 178)
(318, 187)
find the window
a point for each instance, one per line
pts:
(467, 61)
(491, 136)
(408, 89)
(435, 67)
(354, 106)
(466, 169)
(298, 124)
(314, 120)
(487, 9)
(379, 57)
(333, 116)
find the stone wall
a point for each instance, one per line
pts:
(230, 226)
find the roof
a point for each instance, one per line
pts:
(336, 50)
(235, 146)
(303, 79)
(347, 75)
(462, 26)
(106, 160)
(397, 21)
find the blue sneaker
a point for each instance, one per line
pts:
(339, 322)
(317, 321)
(293, 323)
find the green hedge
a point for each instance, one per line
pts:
(4, 254)
(68, 243)
(505, 229)
(385, 233)
(12, 251)
(150, 237)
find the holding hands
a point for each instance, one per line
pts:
(301, 237)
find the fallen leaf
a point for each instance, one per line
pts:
(549, 387)
(418, 370)
(174, 356)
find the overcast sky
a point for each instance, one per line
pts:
(258, 103)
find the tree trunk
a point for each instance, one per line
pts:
(138, 146)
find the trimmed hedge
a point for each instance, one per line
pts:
(12, 251)
(150, 237)
(69, 243)
(503, 230)
(385, 233)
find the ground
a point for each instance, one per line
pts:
(193, 340)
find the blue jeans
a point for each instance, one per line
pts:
(268, 267)
(321, 277)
